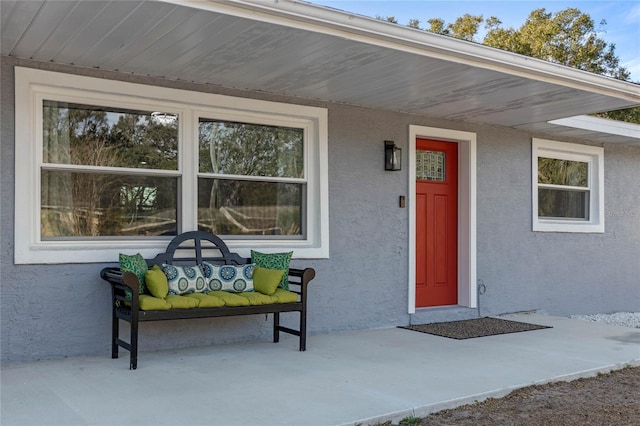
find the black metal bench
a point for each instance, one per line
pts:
(194, 248)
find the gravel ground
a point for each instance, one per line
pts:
(623, 319)
(606, 399)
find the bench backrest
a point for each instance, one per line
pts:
(194, 247)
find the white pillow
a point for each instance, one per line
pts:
(184, 279)
(231, 278)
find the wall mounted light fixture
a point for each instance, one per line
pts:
(392, 156)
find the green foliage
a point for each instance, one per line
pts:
(410, 421)
(465, 27)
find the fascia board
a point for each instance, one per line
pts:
(363, 29)
(603, 125)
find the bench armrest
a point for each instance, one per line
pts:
(301, 278)
(121, 283)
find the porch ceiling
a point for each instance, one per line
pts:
(298, 49)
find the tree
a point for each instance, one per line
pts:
(568, 37)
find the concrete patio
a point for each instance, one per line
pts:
(362, 377)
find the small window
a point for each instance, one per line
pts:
(568, 186)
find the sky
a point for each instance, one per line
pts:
(622, 17)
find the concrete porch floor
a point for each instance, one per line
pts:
(362, 377)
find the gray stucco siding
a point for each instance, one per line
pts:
(52, 311)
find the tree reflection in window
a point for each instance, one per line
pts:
(97, 141)
(252, 179)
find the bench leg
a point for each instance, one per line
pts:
(133, 353)
(276, 324)
(303, 330)
(115, 334)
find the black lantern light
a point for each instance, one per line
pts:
(392, 156)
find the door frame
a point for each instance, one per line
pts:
(467, 281)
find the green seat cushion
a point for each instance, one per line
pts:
(184, 279)
(230, 299)
(231, 278)
(206, 301)
(182, 302)
(156, 282)
(266, 281)
(277, 261)
(137, 265)
(150, 303)
(256, 298)
(285, 296)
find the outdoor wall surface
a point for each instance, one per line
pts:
(52, 311)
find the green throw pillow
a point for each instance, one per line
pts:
(278, 261)
(137, 265)
(266, 281)
(156, 282)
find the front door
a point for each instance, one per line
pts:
(436, 223)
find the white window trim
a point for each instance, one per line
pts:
(32, 86)
(592, 155)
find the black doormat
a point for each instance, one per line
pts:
(469, 329)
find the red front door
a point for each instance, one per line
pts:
(436, 223)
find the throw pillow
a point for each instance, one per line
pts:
(184, 279)
(156, 282)
(278, 261)
(136, 264)
(231, 278)
(266, 281)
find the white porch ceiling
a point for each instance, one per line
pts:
(298, 49)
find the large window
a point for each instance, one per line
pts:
(567, 187)
(104, 167)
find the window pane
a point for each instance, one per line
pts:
(101, 205)
(250, 149)
(228, 207)
(555, 203)
(430, 165)
(562, 172)
(111, 137)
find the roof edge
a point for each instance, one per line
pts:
(603, 125)
(322, 19)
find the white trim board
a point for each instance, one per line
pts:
(467, 282)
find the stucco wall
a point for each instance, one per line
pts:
(51, 311)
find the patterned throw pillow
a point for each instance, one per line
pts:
(278, 261)
(137, 265)
(184, 279)
(231, 278)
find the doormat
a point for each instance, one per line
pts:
(479, 327)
